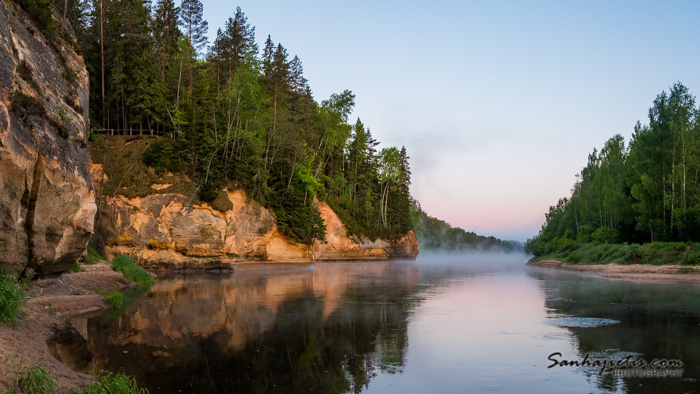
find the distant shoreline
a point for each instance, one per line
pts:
(627, 271)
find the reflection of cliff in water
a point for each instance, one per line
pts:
(326, 328)
(656, 321)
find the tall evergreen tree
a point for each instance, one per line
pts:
(193, 24)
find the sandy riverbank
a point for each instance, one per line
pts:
(57, 305)
(631, 271)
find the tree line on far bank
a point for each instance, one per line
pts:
(645, 191)
(233, 113)
(437, 235)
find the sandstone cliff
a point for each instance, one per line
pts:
(161, 230)
(47, 203)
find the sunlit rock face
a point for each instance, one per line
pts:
(47, 202)
(340, 246)
(164, 230)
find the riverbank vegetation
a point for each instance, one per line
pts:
(638, 202)
(12, 294)
(654, 253)
(19, 375)
(25, 377)
(126, 265)
(229, 113)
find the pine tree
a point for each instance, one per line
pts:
(194, 26)
(235, 43)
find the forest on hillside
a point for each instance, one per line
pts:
(642, 192)
(232, 113)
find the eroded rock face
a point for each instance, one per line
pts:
(161, 230)
(340, 246)
(47, 202)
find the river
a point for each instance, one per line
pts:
(441, 324)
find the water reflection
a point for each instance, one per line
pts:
(656, 321)
(264, 328)
(474, 324)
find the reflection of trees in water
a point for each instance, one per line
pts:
(657, 320)
(245, 334)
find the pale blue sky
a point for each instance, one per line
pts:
(498, 102)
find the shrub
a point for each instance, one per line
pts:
(160, 155)
(23, 104)
(605, 235)
(693, 257)
(24, 70)
(70, 75)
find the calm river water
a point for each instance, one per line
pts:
(436, 325)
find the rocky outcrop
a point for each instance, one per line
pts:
(47, 203)
(163, 230)
(340, 246)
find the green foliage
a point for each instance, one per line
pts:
(24, 105)
(76, 267)
(12, 293)
(647, 192)
(654, 253)
(41, 12)
(110, 383)
(237, 117)
(35, 378)
(692, 257)
(92, 256)
(31, 378)
(126, 265)
(605, 235)
(114, 299)
(63, 115)
(70, 75)
(160, 155)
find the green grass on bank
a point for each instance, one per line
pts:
(92, 256)
(655, 253)
(12, 294)
(126, 265)
(36, 378)
(108, 383)
(29, 378)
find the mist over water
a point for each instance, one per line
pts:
(444, 323)
(470, 263)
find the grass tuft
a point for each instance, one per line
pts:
(32, 378)
(92, 256)
(126, 265)
(12, 292)
(108, 383)
(114, 299)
